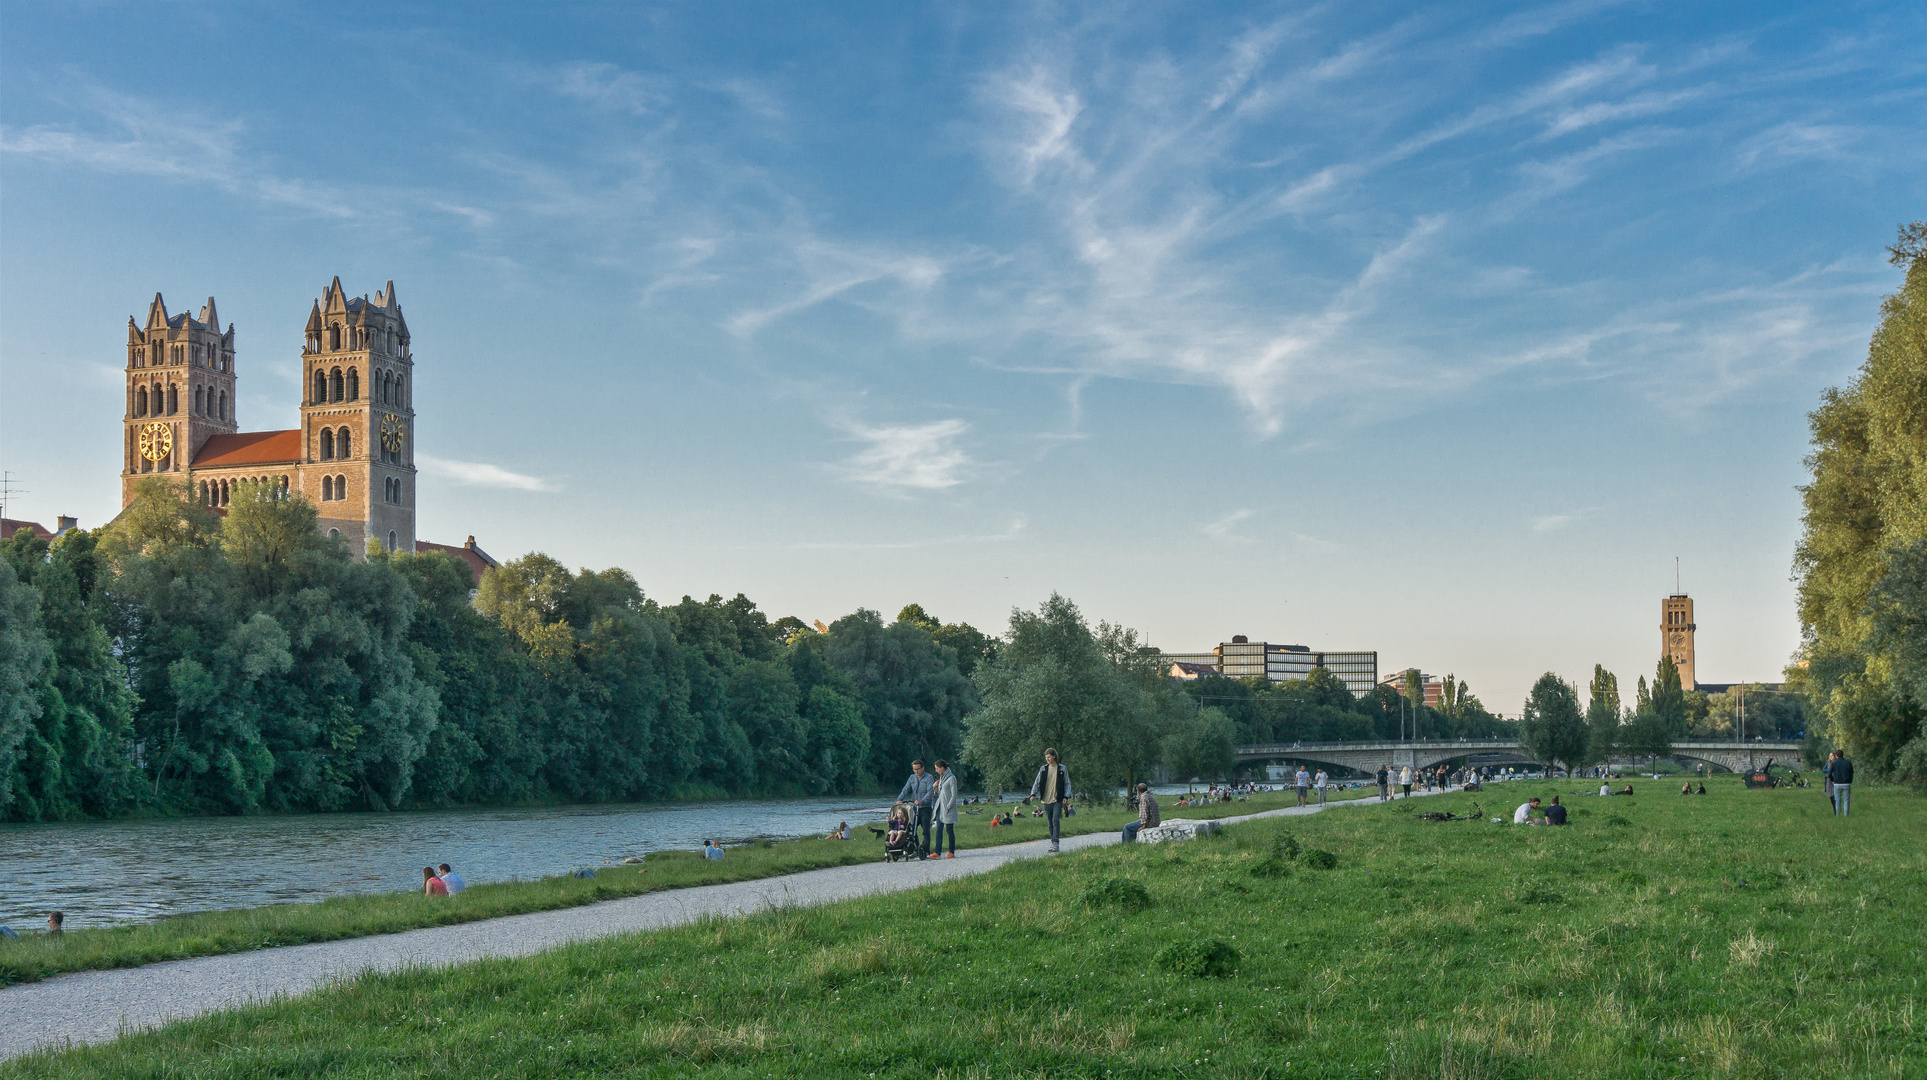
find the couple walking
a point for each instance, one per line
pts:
(935, 801)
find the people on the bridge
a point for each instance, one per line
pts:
(1322, 782)
(1384, 782)
(1523, 815)
(1840, 771)
(1053, 788)
(432, 885)
(712, 850)
(451, 879)
(1555, 814)
(1405, 780)
(920, 792)
(945, 810)
(1302, 782)
(1147, 814)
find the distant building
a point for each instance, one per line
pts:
(479, 562)
(10, 526)
(1676, 629)
(1242, 658)
(1434, 689)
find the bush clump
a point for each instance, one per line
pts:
(1271, 867)
(1285, 846)
(1209, 958)
(1320, 859)
(1121, 893)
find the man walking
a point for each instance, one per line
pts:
(1321, 781)
(946, 810)
(1840, 771)
(1304, 786)
(1053, 788)
(1384, 782)
(1147, 814)
(920, 791)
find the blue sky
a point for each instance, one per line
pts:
(1438, 330)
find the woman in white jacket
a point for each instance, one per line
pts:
(1405, 780)
(946, 799)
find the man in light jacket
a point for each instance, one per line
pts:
(1053, 788)
(946, 810)
(921, 792)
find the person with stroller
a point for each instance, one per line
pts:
(946, 811)
(920, 792)
(1052, 788)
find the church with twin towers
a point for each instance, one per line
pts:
(353, 454)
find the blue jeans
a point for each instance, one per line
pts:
(924, 814)
(1840, 792)
(943, 827)
(1052, 812)
(1130, 831)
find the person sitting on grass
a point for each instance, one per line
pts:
(841, 832)
(1702, 789)
(1686, 788)
(451, 879)
(1606, 790)
(1147, 814)
(1523, 815)
(432, 885)
(1555, 814)
(55, 920)
(712, 850)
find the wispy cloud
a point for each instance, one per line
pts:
(909, 457)
(1552, 522)
(1225, 528)
(481, 474)
(1013, 532)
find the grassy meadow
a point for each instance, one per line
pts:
(207, 933)
(1739, 934)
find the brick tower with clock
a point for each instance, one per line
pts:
(353, 455)
(1676, 629)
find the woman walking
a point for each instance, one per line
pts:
(1405, 780)
(946, 811)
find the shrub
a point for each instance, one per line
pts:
(1271, 867)
(1319, 859)
(1210, 958)
(1285, 846)
(1121, 893)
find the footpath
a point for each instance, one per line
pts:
(99, 1006)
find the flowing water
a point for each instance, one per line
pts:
(133, 871)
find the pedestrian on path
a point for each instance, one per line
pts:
(1840, 771)
(1304, 786)
(1384, 782)
(1405, 780)
(1053, 788)
(1321, 782)
(920, 792)
(946, 810)
(1826, 779)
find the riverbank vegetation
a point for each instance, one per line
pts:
(1743, 934)
(36, 956)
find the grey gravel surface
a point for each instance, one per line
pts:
(98, 1006)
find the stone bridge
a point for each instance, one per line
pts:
(1730, 755)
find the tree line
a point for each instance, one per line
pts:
(183, 661)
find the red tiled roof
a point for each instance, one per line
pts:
(250, 448)
(9, 526)
(473, 557)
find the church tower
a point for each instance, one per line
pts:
(180, 392)
(1676, 629)
(358, 420)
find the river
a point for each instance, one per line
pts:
(103, 872)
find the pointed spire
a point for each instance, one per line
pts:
(209, 318)
(314, 318)
(133, 331)
(335, 300)
(388, 297)
(157, 312)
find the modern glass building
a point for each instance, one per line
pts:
(1242, 658)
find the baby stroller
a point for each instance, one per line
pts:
(899, 836)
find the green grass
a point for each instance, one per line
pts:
(1744, 934)
(209, 933)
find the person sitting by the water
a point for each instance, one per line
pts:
(55, 919)
(452, 879)
(712, 850)
(841, 832)
(432, 885)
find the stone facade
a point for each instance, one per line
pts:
(353, 455)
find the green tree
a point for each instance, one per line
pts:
(1200, 745)
(1648, 733)
(24, 651)
(1669, 698)
(1602, 715)
(1866, 504)
(1551, 729)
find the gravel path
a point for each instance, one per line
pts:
(98, 1006)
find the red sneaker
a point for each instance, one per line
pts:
(933, 856)
(952, 855)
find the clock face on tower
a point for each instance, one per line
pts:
(1679, 639)
(157, 441)
(391, 434)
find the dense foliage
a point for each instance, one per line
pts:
(1862, 560)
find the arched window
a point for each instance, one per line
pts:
(341, 487)
(226, 492)
(334, 534)
(327, 489)
(327, 445)
(398, 397)
(223, 413)
(391, 540)
(197, 401)
(335, 385)
(320, 386)
(334, 337)
(342, 445)
(354, 385)
(140, 401)
(173, 399)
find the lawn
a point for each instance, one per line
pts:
(208, 933)
(1740, 934)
